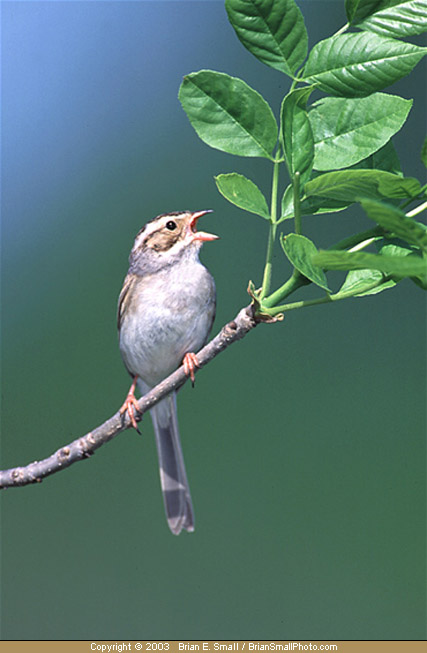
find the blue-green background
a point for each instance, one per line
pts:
(305, 443)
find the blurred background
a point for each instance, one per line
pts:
(304, 444)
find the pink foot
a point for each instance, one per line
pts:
(131, 405)
(190, 363)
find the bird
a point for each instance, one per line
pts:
(166, 310)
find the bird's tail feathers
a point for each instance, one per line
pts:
(173, 477)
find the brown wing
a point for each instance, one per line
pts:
(124, 298)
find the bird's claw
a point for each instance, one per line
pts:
(130, 406)
(190, 363)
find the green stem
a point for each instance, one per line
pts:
(296, 79)
(323, 300)
(297, 202)
(354, 240)
(293, 283)
(266, 281)
(341, 30)
(418, 209)
(362, 244)
(274, 189)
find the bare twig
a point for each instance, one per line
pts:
(83, 447)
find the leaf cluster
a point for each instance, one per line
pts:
(337, 151)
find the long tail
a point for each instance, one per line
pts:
(173, 478)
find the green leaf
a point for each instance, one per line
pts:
(396, 18)
(353, 185)
(309, 205)
(400, 266)
(394, 220)
(228, 115)
(359, 9)
(272, 30)
(396, 247)
(347, 131)
(385, 159)
(355, 65)
(320, 205)
(357, 280)
(300, 251)
(424, 152)
(242, 192)
(287, 205)
(297, 137)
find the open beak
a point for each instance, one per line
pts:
(200, 235)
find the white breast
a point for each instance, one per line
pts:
(172, 316)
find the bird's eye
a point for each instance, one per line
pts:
(171, 225)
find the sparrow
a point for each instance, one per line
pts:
(165, 313)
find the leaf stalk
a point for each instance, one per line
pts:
(341, 30)
(363, 244)
(418, 209)
(266, 281)
(293, 283)
(297, 203)
(355, 239)
(324, 300)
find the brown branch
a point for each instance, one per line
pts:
(86, 445)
